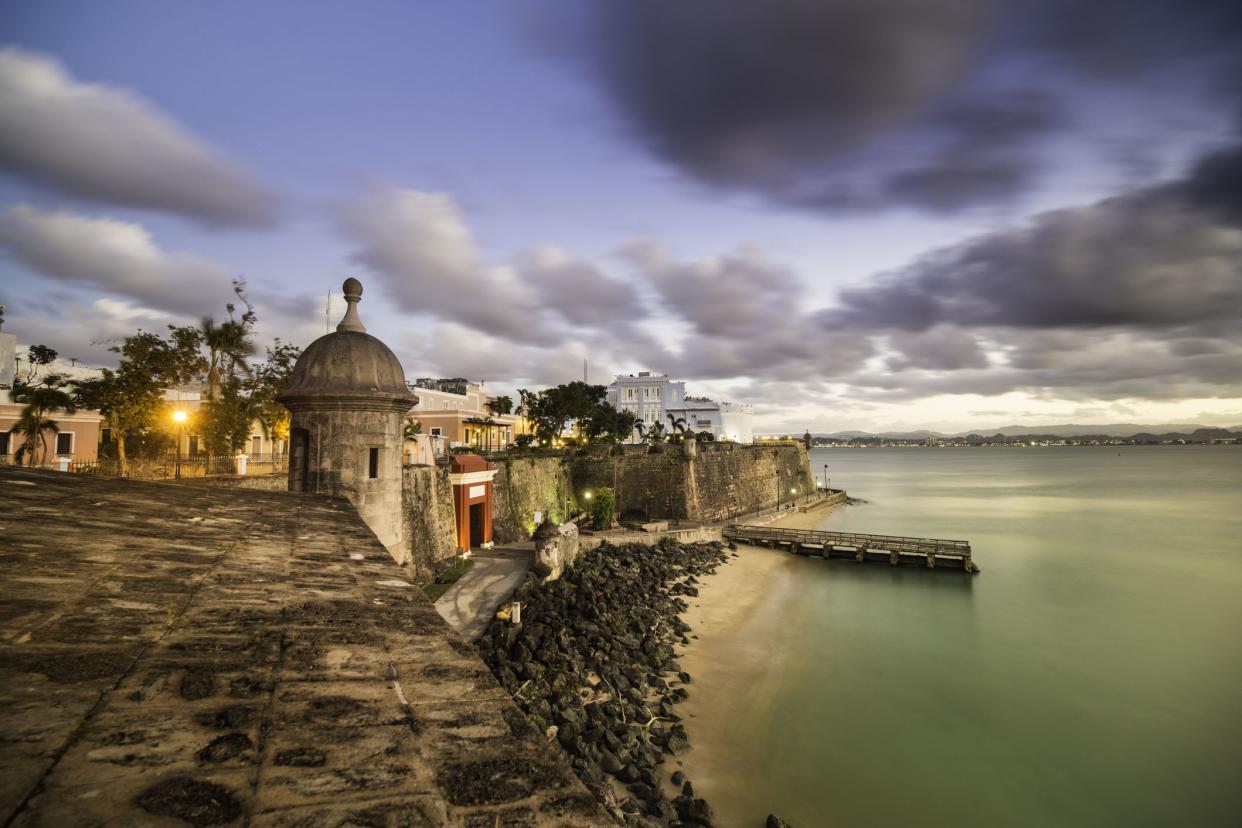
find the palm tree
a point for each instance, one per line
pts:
(34, 420)
(655, 434)
(678, 423)
(641, 428)
(228, 345)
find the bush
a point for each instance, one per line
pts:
(524, 440)
(603, 508)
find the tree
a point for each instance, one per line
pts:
(132, 396)
(412, 429)
(500, 405)
(607, 424)
(678, 426)
(551, 409)
(268, 380)
(37, 358)
(228, 344)
(656, 433)
(39, 400)
(603, 508)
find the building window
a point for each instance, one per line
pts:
(256, 445)
(436, 431)
(373, 464)
(193, 449)
(64, 443)
(4, 444)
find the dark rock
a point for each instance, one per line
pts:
(303, 757)
(190, 800)
(776, 822)
(223, 748)
(678, 777)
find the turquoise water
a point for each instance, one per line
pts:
(1090, 676)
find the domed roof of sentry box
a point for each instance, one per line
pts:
(348, 364)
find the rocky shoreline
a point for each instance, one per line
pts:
(594, 666)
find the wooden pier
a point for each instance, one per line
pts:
(931, 553)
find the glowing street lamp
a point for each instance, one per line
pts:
(587, 495)
(179, 419)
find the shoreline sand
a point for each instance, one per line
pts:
(740, 621)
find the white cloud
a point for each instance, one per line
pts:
(109, 145)
(113, 256)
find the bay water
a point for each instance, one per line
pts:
(1091, 675)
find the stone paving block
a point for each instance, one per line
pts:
(172, 655)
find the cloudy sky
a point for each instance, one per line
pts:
(864, 214)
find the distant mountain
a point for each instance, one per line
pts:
(1063, 430)
(1111, 429)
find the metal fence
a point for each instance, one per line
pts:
(170, 467)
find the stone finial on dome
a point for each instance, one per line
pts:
(352, 289)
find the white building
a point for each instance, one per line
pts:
(653, 397)
(725, 420)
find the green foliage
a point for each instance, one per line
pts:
(705, 437)
(227, 418)
(132, 396)
(524, 440)
(667, 543)
(607, 424)
(447, 578)
(39, 400)
(677, 428)
(500, 405)
(551, 409)
(603, 508)
(656, 433)
(268, 380)
(412, 429)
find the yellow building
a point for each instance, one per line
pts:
(457, 410)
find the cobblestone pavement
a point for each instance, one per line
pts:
(175, 655)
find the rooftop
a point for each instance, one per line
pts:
(175, 655)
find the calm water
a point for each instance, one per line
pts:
(1091, 675)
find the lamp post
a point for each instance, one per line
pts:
(827, 482)
(179, 418)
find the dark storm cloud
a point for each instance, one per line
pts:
(1156, 258)
(108, 145)
(934, 104)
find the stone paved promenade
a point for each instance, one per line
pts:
(175, 655)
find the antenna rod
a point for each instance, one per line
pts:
(327, 315)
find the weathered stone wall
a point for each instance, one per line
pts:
(333, 457)
(427, 514)
(724, 480)
(524, 486)
(278, 482)
(728, 479)
(652, 485)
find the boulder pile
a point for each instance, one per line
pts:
(594, 666)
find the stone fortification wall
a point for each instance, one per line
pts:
(727, 479)
(524, 486)
(278, 482)
(724, 480)
(427, 512)
(650, 485)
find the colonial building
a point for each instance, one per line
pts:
(78, 438)
(723, 420)
(457, 410)
(653, 397)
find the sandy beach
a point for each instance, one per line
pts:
(741, 621)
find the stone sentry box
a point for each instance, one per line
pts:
(348, 398)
